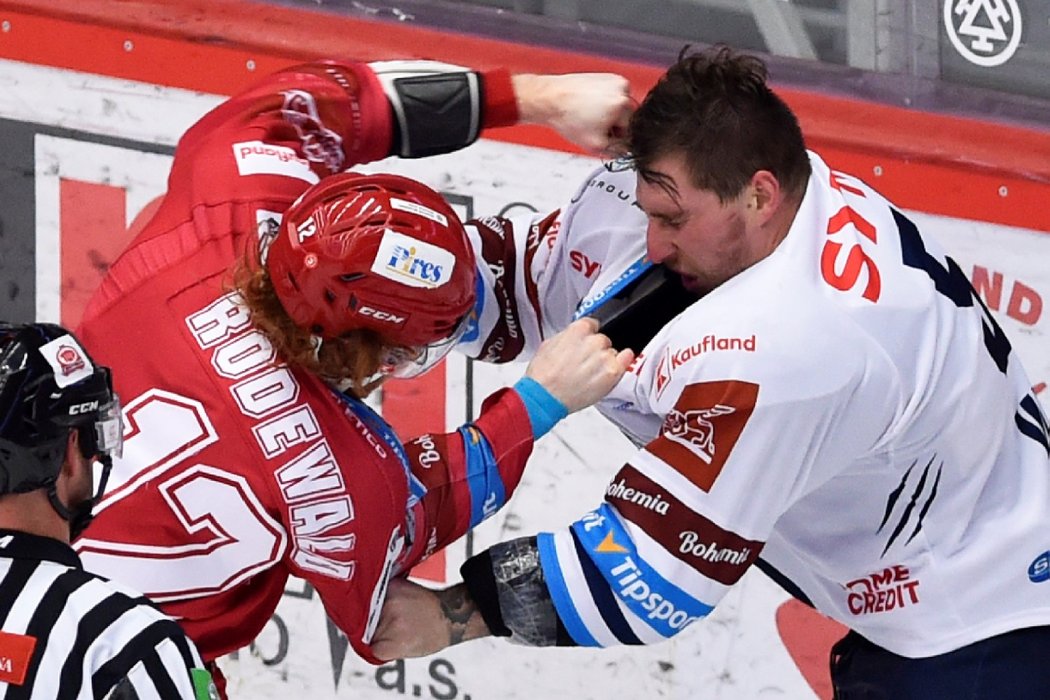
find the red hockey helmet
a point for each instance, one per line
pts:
(378, 252)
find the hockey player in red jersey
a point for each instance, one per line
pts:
(269, 293)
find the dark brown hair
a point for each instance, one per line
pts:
(714, 107)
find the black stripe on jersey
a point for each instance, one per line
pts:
(91, 626)
(42, 622)
(158, 675)
(13, 584)
(182, 643)
(603, 596)
(783, 581)
(124, 691)
(1034, 425)
(109, 674)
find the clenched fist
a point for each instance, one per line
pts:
(590, 109)
(579, 365)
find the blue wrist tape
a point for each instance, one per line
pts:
(544, 410)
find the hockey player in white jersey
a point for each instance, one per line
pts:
(829, 399)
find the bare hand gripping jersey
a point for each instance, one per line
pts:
(239, 470)
(847, 408)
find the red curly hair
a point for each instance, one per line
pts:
(355, 357)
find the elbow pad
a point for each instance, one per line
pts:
(436, 106)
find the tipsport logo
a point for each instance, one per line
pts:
(412, 262)
(665, 607)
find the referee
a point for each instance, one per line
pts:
(66, 633)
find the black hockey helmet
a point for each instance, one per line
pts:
(48, 386)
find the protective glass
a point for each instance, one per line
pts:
(409, 362)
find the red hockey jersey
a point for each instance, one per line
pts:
(239, 470)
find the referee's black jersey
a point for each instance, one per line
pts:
(66, 633)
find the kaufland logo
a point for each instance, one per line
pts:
(412, 262)
(663, 374)
(247, 149)
(258, 158)
(710, 343)
(673, 359)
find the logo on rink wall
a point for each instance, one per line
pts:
(984, 32)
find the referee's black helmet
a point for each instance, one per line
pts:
(48, 386)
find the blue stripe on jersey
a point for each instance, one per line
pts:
(559, 592)
(474, 315)
(603, 597)
(662, 605)
(487, 491)
(626, 277)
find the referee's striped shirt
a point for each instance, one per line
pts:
(66, 633)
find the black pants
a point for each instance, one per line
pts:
(1011, 666)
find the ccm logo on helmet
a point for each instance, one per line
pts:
(412, 262)
(82, 408)
(381, 315)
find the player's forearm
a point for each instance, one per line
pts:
(417, 621)
(589, 109)
(460, 613)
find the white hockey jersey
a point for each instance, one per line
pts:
(846, 407)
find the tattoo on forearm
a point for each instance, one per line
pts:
(458, 608)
